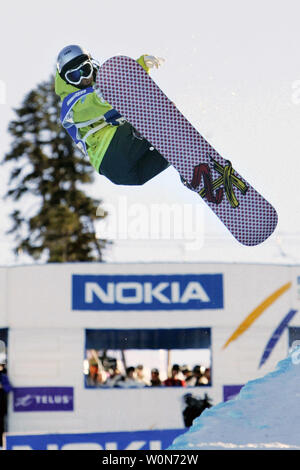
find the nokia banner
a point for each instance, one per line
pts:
(136, 440)
(147, 292)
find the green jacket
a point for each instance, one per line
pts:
(91, 108)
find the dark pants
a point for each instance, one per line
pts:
(3, 411)
(129, 160)
(2, 429)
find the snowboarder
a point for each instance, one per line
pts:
(115, 149)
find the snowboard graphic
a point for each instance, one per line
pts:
(131, 91)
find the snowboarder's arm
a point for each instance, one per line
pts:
(150, 61)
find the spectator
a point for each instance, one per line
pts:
(5, 388)
(174, 381)
(95, 377)
(188, 374)
(130, 380)
(155, 380)
(199, 378)
(207, 375)
(114, 378)
(140, 377)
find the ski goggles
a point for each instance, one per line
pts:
(84, 70)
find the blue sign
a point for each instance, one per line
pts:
(231, 391)
(137, 440)
(43, 399)
(147, 292)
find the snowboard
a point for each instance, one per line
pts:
(126, 86)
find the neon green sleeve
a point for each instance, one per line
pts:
(141, 61)
(89, 108)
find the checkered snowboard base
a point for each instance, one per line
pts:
(131, 91)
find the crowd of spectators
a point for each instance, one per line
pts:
(135, 377)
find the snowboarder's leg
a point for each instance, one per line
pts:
(129, 160)
(151, 164)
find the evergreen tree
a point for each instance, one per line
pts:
(56, 219)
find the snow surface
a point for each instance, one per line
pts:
(265, 415)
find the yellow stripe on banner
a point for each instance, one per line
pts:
(256, 313)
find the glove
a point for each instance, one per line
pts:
(152, 61)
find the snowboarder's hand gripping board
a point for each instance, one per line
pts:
(129, 89)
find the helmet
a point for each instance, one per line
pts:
(71, 56)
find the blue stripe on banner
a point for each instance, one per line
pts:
(275, 336)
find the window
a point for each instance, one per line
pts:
(141, 358)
